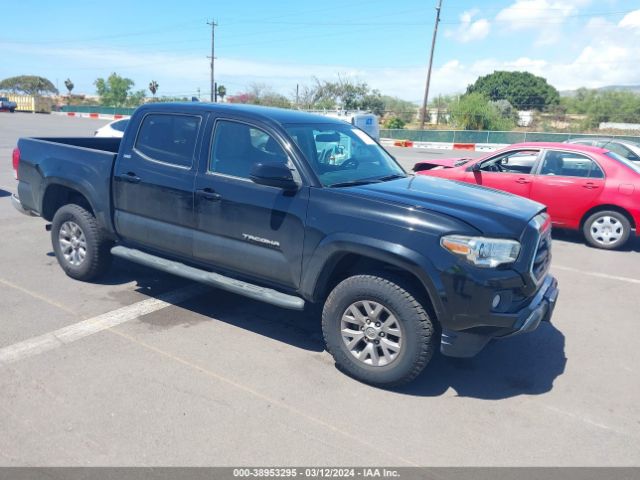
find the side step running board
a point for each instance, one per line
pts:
(214, 279)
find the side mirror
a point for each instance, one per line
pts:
(476, 167)
(274, 174)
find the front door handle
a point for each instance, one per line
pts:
(130, 177)
(208, 194)
(523, 181)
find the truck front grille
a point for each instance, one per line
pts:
(542, 256)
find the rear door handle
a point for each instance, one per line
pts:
(523, 180)
(130, 177)
(590, 185)
(208, 194)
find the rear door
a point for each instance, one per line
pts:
(153, 183)
(569, 183)
(249, 229)
(509, 171)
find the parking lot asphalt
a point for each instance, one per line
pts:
(141, 368)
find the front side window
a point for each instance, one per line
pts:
(237, 147)
(343, 155)
(168, 138)
(519, 162)
(570, 164)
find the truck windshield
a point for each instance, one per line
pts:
(342, 155)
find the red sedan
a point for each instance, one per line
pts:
(584, 188)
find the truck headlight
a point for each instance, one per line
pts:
(481, 251)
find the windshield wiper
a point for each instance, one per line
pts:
(353, 183)
(391, 177)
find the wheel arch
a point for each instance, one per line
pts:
(604, 207)
(56, 195)
(337, 260)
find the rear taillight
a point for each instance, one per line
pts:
(16, 161)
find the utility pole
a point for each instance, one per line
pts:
(213, 57)
(433, 47)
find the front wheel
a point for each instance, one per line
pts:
(80, 246)
(607, 229)
(377, 331)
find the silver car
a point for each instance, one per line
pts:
(626, 148)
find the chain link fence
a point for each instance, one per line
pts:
(97, 109)
(473, 136)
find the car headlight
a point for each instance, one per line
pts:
(481, 251)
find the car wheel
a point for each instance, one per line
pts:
(607, 229)
(80, 246)
(12, 110)
(377, 331)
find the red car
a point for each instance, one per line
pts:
(584, 188)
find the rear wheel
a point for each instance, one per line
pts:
(377, 331)
(607, 229)
(12, 110)
(80, 245)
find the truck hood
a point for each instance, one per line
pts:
(491, 211)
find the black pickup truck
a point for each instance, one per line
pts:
(296, 209)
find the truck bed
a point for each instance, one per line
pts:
(81, 163)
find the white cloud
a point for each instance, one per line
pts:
(631, 20)
(470, 29)
(544, 16)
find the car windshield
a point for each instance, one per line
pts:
(632, 165)
(342, 155)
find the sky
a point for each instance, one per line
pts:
(281, 44)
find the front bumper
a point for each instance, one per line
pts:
(15, 201)
(540, 309)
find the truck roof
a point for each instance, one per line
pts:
(279, 115)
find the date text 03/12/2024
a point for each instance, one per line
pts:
(315, 473)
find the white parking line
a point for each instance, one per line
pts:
(596, 274)
(71, 333)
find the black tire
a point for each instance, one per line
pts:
(97, 257)
(619, 224)
(418, 338)
(12, 110)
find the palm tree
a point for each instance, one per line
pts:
(153, 87)
(69, 84)
(222, 92)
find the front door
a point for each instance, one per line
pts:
(153, 184)
(509, 172)
(243, 227)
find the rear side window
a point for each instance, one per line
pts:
(168, 138)
(570, 164)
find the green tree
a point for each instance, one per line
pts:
(402, 109)
(114, 90)
(135, 99)
(28, 85)
(394, 123)
(474, 111)
(222, 92)
(523, 90)
(69, 84)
